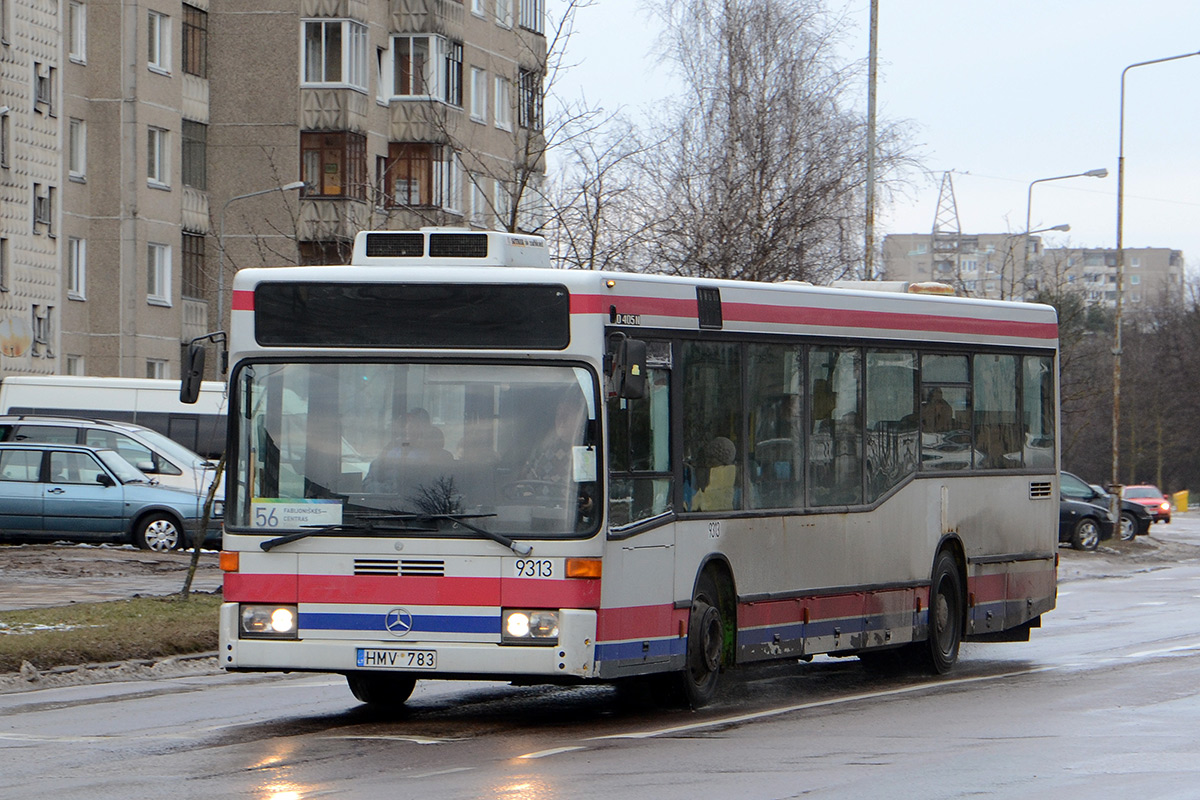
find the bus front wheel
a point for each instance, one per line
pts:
(705, 646)
(381, 690)
(946, 615)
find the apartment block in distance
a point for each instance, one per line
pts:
(153, 148)
(1015, 267)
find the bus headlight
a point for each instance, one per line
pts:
(268, 622)
(526, 626)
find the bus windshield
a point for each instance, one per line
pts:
(361, 447)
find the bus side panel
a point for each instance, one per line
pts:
(640, 629)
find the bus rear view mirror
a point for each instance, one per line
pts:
(193, 373)
(629, 369)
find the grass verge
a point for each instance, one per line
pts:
(86, 633)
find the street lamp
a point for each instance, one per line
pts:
(1116, 404)
(287, 187)
(1091, 173)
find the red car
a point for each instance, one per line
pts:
(1154, 500)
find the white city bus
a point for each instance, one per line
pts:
(450, 461)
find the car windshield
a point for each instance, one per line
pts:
(164, 444)
(1143, 491)
(125, 472)
(429, 449)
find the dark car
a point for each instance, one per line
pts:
(78, 493)
(1152, 498)
(1135, 519)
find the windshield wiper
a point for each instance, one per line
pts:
(367, 524)
(520, 548)
(372, 524)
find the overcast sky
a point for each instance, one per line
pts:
(1003, 93)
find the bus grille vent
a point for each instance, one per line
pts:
(376, 566)
(408, 568)
(395, 245)
(1040, 490)
(458, 245)
(415, 568)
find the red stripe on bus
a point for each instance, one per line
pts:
(366, 589)
(818, 317)
(639, 622)
(258, 588)
(243, 300)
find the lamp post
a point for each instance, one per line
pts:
(287, 187)
(1091, 173)
(1115, 483)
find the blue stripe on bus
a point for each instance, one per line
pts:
(634, 651)
(422, 623)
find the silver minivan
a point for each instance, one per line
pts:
(160, 457)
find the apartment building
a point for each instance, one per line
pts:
(1013, 266)
(153, 148)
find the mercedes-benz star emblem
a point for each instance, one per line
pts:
(398, 622)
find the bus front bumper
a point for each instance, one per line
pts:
(571, 657)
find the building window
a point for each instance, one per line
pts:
(413, 67)
(158, 274)
(77, 32)
(452, 182)
(156, 368)
(477, 8)
(4, 139)
(73, 365)
(504, 13)
(529, 106)
(194, 170)
(76, 268)
(157, 162)
(43, 88)
(479, 205)
(479, 94)
(335, 52)
(77, 149)
(410, 179)
(43, 333)
(502, 203)
(454, 73)
(532, 15)
(334, 164)
(3, 265)
(43, 208)
(158, 56)
(195, 41)
(503, 104)
(193, 266)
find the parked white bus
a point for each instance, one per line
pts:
(152, 403)
(449, 461)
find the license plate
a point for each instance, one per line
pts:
(382, 658)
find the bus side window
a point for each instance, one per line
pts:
(640, 486)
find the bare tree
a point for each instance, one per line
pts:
(761, 169)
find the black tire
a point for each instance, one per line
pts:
(705, 646)
(947, 614)
(159, 532)
(381, 690)
(1128, 527)
(1086, 535)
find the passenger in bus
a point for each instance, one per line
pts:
(937, 416)
(715, 477)
(551, 459)
(418, 442)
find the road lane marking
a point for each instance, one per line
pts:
(774, 712)
(552, 752)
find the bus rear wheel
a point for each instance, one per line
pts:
(705, 646)
(946, 615)
(381, 690)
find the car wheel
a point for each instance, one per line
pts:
(158, 532)
(1086, 535)
(1129, 526)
